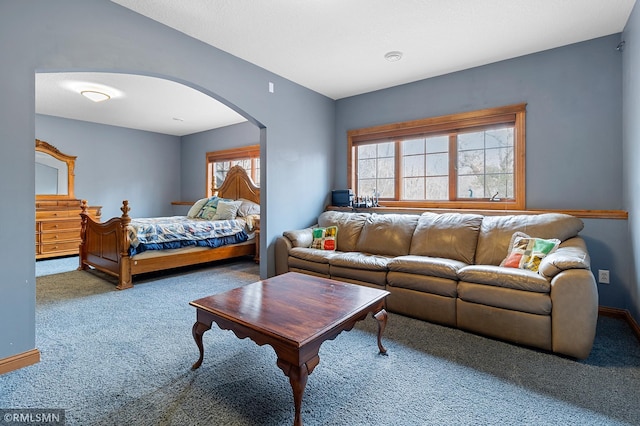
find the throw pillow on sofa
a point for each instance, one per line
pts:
(325, 238)
(526, 252)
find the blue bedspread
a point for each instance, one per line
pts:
(179, 231)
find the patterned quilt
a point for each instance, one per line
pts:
(161, 233)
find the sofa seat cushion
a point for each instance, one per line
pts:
(518, 279)
(423, 265)
(423, 283)
(357, 260)
(302, 265)
(312, 255)
(447, 235)
(359, 276)
(365, 267)
(387, 234)
(505, 298)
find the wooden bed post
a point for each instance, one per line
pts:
(84, 214)
(125, 279)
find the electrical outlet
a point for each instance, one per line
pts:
(603, 276)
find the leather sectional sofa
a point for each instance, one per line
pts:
(446, 268)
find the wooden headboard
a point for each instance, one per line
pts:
(238, 184)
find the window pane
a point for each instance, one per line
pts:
(376, 170)
(471, 187)
(438, 144)
(413, 146)
(386, 149)
(499, 185)
(437, 188)
(438, 164)
(367, 151)
(366, 169)
(386, 167)
(413, 166)
(421, 158)
(245, 164)
(413, 189)
(471, 162)
(493, 162)
(474, 140)
(498, 138)
(366, 186)
(386, 188)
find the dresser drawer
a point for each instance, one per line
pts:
(62, 236)
(53, 214)
(60, 247)
(60, 225)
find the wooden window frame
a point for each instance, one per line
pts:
(233, 154)
(511, 114)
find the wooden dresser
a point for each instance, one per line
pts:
(58, 227)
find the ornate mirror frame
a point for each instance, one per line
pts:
(69, 160)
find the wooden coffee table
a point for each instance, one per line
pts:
(294, 313)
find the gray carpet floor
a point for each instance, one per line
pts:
(123, 358)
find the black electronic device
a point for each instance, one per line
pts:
(342, 198)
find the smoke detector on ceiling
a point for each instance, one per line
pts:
(393, 56)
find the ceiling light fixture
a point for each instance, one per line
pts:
(393, 56)
(95, 96)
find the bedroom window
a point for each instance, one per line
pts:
(468, 160)
(219, 163)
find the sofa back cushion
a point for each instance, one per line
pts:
(449, 235)
(349, 227)
(496, 231)
(387, 234)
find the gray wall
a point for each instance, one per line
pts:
(195, 147)
(631, 150)
(574, 134)
(41, 35)
(116, 164)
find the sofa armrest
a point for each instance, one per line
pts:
(299, 237)
(571, 254)
(281, 252)
(288, 240)
(574, 299)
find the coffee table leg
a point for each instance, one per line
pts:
(197, 331)
(298, 375)
(381, 317)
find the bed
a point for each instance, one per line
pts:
(107, 246)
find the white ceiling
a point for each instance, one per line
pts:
(137, 102)
(337, 47)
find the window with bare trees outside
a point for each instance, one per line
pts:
(468, 160)
(220, 162)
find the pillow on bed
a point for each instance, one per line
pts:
(197, 206)
(227, 210)
(209, 209)
(248, 208)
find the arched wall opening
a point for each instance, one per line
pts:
(119, 154)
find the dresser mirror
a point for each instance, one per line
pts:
(54, 172)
